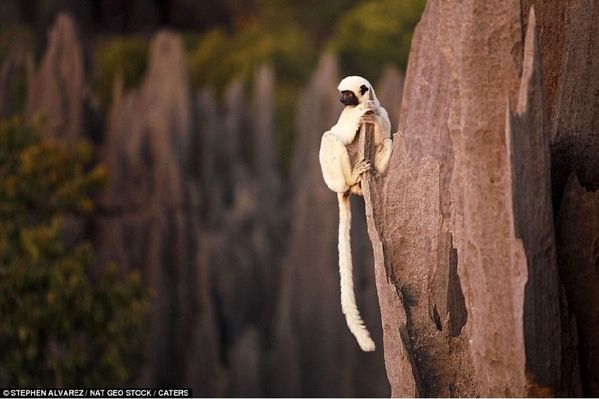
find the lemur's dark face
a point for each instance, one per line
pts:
(348, 97)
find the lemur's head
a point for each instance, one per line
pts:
(356, 90)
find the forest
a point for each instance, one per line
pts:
(164, 221)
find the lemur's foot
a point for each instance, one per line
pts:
(361, 167)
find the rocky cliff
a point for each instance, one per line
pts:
(477, 227)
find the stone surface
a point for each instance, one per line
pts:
(389, 91)
(402, 368)
(578, 241)
(463, 220)
(482, 45)
(570, 53)
(527, 142)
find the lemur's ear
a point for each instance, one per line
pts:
(363, 89)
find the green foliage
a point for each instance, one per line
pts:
(318, 17)
(42, 178)
(220, 57)
(124, 56)
(64, 322)
(206, 60)
(376, 33)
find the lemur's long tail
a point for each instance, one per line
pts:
(348, 298)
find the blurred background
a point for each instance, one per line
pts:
(163, 221)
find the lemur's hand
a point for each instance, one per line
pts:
(367, 118)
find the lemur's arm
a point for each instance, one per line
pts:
(382, 156)
(382, 138)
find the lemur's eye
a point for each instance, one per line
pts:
(363, 89)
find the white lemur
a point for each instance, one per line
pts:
(338, 153)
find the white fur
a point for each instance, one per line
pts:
(348, 298)
(344, 178)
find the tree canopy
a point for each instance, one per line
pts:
(66, 321)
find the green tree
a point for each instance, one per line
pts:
(217, 57)
(126, 57)
(63, 320)
(375, 33)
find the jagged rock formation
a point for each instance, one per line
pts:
(186, 204)
(315, 354)
(570, 55)
(577, 238)
(414, 220)
(244, 243)
(463, 224)
(151, 205)
(55, 91)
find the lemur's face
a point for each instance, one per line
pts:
(354, 90)
(349, 98)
